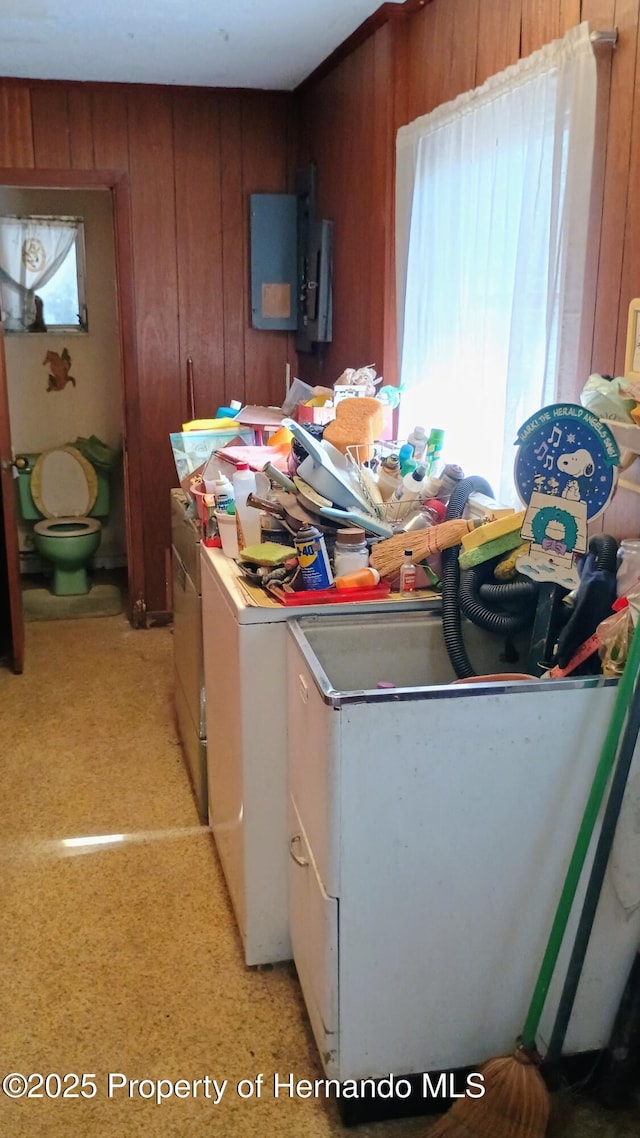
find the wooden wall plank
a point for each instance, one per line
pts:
(199, 248)
(599, 14)
(155, 260)
(381, 331)
(110, 128)
(290, 112)
(80, 128)
(352, 253)
(569, 15)
(622, 516)
(498, 37)
(440, 48)
(630, 274)
(422, 83)
(233, 245)
(50, 114)
(16, 134)
(608, 313)
(462, 33)
(540, 24)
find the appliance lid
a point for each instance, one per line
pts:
(63, 483)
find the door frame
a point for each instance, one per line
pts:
(9, 554)
(117, 182)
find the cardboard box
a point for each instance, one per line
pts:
(320, 415)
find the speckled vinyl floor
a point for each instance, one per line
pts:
(122, 958)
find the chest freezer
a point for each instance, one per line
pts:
(430, 828)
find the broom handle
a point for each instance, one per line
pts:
(626, 684)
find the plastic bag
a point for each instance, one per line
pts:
(604, 398)
(614, 635)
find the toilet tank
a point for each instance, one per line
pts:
(28, 509)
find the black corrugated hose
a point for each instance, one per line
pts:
(469, 596)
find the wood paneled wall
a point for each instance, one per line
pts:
(346, 128)
(192, 157)
(411, 65)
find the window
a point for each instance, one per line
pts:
(492, 229)
(42, 274)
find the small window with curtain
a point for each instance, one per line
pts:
(42, 274)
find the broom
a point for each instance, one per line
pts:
(387, 556)
(516, 1101)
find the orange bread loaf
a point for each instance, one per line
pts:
(358, 422)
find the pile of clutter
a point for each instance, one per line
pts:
(329, 502)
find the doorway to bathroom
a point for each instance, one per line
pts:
(95, 407)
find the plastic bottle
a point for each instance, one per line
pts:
(389, 477)
(449, 477)
(434, 449)
(247, 517)
(407, 574)
(432, 512)
(418, 440)
(351, 551)
(406, 453)
(409, 491)
(408, 466)
(223, 492)
(358, 578)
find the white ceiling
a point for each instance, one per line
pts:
(212, 43)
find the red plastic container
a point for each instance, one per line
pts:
(336, 596)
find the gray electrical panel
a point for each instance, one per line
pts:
(291, 264)
(274, 262)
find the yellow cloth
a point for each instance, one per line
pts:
(210, 425)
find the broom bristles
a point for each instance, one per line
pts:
(515, 1104)
(387, 555)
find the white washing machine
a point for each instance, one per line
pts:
(245, 660)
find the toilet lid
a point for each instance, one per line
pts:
(63, 483)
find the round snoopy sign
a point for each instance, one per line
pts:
(565, 474)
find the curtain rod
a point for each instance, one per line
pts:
(610, 37)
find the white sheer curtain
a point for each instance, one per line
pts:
(32, 250)
(492, 209)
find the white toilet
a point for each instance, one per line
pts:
(64, 489)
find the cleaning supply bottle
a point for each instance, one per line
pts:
(223, 492)
(418, 440)
(408, 466)
(449, 477)
(408, 492)
(434, 449)
(247, 517)
(405, 454)
(389, 476)
(407, 573)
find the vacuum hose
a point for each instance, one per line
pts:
(605, 550)
(474, 595)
